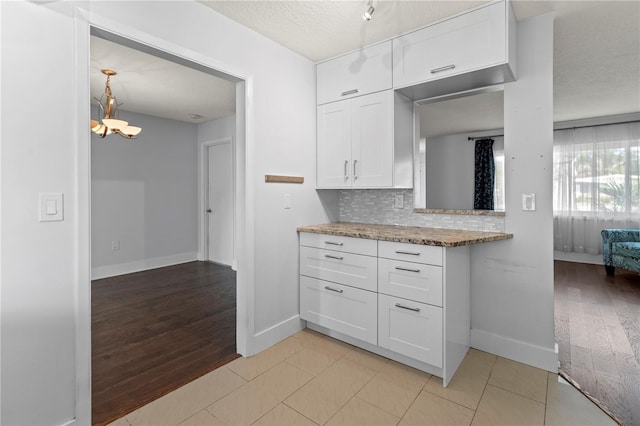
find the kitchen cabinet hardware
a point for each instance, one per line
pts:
(330, 256)
(411, 253)
(400, 268)
(349, 92)
(337, 290)
(398, 305)
(445, 68)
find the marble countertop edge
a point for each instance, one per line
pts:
(443, 237)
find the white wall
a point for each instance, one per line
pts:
(40, 281)
(145, 195)
(217, 129)
(512, 281)
(450, 170)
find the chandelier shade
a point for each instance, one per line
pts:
(109, 124)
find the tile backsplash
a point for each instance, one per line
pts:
(377, 206)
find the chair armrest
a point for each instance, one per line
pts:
(610, 236)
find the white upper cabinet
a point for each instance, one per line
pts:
(357, 146)
(479, 42)
(366, 71)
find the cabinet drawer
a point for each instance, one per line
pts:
(365, 71)
(344, 268)
(348, 310)
(431, 255)
(341, 244)
(410, 328)
(474, 40)
(414, 281)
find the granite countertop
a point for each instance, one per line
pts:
(407, 234)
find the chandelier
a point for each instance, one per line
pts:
(108, 111)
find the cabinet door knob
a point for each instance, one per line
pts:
(445, 68)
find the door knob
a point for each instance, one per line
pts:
(209, 210)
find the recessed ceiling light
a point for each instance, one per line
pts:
(195, 116)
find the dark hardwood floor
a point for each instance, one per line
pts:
(157, 330)
(597, 322)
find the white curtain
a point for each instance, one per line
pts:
(596, 178)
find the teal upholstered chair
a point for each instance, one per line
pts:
(621, 249)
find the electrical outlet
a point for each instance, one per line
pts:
(287, 201)
(115, 245)
(528, 202)
(398, 202)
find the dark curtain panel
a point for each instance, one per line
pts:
(484, 175)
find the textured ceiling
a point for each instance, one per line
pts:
(596, 52)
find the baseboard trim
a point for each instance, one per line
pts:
(516, 350)
(277, 333)
(71, 422)
(567, 256)
(141, 265)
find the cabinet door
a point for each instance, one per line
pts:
(372, 140)
(366, 71)
(410, 328)
(467, 42)
(347, 310)
(334, 145)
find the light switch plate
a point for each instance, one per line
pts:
(51, 206)
(528, 202)
(287, 201)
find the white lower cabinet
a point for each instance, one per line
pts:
(403, 301)
(410, 328)
(345, 309)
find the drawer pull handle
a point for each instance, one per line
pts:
(406, 307)
(346, 176)
(412, 253)
(400, 268)
(437, 70)
(337, 290)
(330, 256)
(334, 243)
(350, 92)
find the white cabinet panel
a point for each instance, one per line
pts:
(345, 268)
(366, 71)
(344, 309)
(474, 40)
(431, 255)
(414, 281)
(372, 140)
(410, 328)
(333, 152)
(339, 243)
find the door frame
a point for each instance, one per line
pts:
(85, 23)
(203, 201)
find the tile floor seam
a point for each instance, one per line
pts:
(414, 401)
(546, 401)
(516, 393)
(475, 411)
(287, 405)
(245, 380)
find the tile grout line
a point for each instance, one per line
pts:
(475, 411)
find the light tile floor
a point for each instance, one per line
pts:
(311, 379)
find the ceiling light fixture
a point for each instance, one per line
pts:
(108, 111)
(369, 13)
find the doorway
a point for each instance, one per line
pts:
(242, 215)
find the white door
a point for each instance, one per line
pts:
(220, 203)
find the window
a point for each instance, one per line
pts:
(596, 181)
